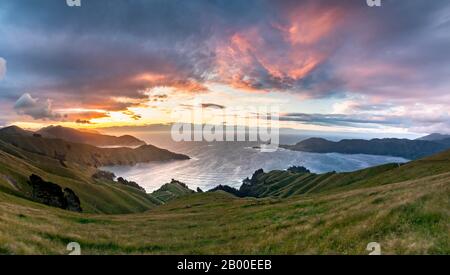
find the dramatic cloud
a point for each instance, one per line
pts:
(109, 55)
(281, 54)
(2, 68)
(37, 109)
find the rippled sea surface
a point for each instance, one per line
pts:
(229, 163)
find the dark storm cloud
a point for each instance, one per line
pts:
(35, 108)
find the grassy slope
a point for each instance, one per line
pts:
(89, 155)
(285, 184)
(17, 165)
(171, 191)
(411, 217)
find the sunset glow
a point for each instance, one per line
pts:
(306, 56)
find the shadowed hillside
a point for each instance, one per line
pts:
(92, 138)
(435, 137)
(87, 155)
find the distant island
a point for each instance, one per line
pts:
(405, 148)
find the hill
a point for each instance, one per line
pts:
(405, 148)
(92, 138)
(87, 155)
(14, 130)
(434, 137)
(171, 191)
(96, 195)
(285, 184)
(72, 167)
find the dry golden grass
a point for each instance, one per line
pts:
(411, 217)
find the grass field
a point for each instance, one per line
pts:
(411, 217)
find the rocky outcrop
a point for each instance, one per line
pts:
(298, 169)
(247, 188)
(130, 184)
(254, 178)
(104, 175)
(51, 194)
(110, 177)
(72, 201)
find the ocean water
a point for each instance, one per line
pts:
(229, 163)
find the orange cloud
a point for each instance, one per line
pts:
(261, 58)
(309, 24)
(85, 117)
(153, 80)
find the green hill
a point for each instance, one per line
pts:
(171, 191)
(285, 183)
(97, 196)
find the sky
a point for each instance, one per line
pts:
(337, 66)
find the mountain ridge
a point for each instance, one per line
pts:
(89, 137)
(85, 154)
(435, 137)
(405, 148)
